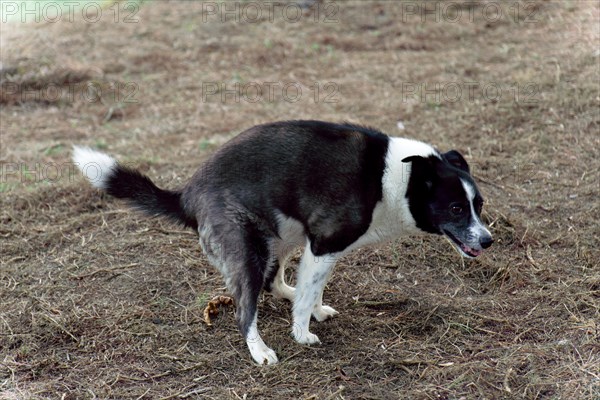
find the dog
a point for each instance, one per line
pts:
(328, 187)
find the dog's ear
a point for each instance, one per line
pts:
(456, 159)
(415, 159)
(422, 168)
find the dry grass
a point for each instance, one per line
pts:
(99, 302)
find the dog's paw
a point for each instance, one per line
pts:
(263, 355)
(324, 312)
(306, 338)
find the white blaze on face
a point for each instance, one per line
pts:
(476, 229)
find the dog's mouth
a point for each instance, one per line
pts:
(468, 251)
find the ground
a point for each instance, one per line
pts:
(97, 301)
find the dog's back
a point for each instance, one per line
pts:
(302, 169)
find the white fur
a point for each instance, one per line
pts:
(291, 233)
(477, 228)
(313, 273)
(260, 352)
(322, 312)
(279, 288)
(94, 165)
(392, 217)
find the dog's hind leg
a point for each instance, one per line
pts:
(246, 286)
(277, 286)
(322, 312)
(260, 352)
(275, 281)
(242, 258)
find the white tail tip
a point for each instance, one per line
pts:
(97, 167)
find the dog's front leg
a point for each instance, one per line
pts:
(313, 273)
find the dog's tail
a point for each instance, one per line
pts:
(104, 172)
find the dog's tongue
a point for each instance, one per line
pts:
(469, 250)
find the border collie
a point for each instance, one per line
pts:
(328, 187)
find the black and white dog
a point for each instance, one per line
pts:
(329, 187)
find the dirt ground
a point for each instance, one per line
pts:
(96, 301)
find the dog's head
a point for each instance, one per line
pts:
(443, 198)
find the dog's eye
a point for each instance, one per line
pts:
(456, 210)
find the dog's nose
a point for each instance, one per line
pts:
(486, 241)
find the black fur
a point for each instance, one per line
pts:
(141, 192)
(456, 159)
(419, 191)
(270, 276)
(434, 186)
(288, 166)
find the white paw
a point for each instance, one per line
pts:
(262, 354)
(321, 313)
(306, 338)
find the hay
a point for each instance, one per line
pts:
(99, 302)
